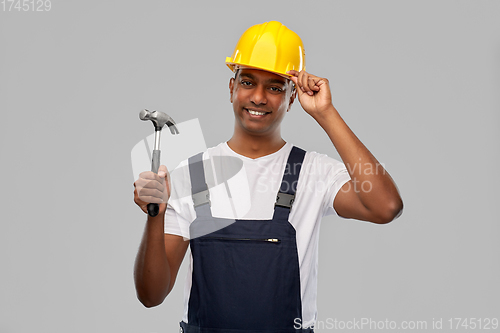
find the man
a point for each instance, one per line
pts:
(257, 271)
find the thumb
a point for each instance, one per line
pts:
(162, 171)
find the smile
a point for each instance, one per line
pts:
(255, 113)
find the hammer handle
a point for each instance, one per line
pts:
(154, 208)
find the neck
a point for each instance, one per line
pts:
(255, 146)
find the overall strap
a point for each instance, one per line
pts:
(204, 223)
(199, 188)
(286, 194)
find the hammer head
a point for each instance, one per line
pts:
(159, 119)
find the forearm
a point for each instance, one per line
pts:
(372, 184)
(152, 271)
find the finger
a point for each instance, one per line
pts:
(293, 73)
(322, 83)
(305, 84)
(162, 171)
(151, 199)
(151, 196)
(144, 204)
(150, 184)
(148, 175)
(300, 80)
(151, 192)
(145, 196)
(167, 178)
(314, 83)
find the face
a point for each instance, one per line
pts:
(260, 100)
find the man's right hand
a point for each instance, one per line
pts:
(153, 188)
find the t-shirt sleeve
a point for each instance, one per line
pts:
(180, 212)
(333, 191)
(175, 224)
(335, 176)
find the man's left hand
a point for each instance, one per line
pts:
(313, 93)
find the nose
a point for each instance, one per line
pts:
(258, 96)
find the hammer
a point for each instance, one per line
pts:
(159, 120)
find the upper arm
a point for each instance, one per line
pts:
(348, 205)
(175, 248)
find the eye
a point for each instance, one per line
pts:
(276, 89)
(245, 83)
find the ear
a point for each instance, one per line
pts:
(231, 86)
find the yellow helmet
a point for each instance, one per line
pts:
(269, 46)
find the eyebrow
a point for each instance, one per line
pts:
(250, 76)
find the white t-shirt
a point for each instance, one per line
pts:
(247, 190)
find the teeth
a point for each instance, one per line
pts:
(256, 113)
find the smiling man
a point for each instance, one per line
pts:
(258, 273)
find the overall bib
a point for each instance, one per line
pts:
(245, 275)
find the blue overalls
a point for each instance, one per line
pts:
(245, 274)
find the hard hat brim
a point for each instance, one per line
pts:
(233, 67)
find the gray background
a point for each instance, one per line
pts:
(417, 81)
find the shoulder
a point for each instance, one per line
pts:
(206, 154)
(320, 163)
(180, 175)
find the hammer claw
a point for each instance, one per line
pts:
(159, 119)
